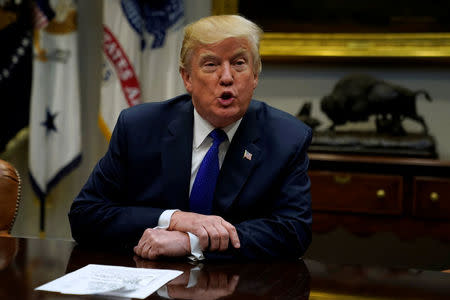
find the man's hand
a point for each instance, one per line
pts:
(212, 230)
(159, 242)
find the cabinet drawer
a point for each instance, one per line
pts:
(356, 192)
(431, 197)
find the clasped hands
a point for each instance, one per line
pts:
(213, 232)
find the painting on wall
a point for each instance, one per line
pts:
(348, 28)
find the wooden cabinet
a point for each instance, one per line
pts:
(356, 192)
(368, 194)
(431, 197)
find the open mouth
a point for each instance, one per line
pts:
(226, 99)
(226, 96)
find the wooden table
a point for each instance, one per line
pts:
(27, 263)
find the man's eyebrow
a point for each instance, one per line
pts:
(212, 56)
(240, 52)
(206, 56)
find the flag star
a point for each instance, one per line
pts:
(49, 122)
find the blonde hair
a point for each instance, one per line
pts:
(215, 29)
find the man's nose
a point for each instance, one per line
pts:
(226, 77)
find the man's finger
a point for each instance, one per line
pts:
(214, 238)
(146, 250)
(138, 250)
(234, 238)
(203, 237)
(224, 238)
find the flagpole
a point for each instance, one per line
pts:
(42, 218)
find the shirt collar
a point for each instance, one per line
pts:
(202, 128)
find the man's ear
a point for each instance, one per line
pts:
(255, 80)
(186, 79)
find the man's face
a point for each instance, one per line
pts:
(221, 80)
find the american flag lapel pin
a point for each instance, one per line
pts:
(247, 155)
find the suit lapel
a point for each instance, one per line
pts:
(176, 158)
(236, 167)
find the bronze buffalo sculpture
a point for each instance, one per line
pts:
(358, 96)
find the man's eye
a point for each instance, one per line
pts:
(209, 66)
(240, 64)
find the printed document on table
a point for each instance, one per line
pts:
(111, 281)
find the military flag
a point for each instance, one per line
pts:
(55, 136)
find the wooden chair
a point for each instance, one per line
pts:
(9, 196)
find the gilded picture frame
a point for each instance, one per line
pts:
(433, 46)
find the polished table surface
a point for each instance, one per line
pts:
(26, 263)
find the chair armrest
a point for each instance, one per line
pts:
(10, 188)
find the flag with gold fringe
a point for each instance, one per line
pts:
(55, 136)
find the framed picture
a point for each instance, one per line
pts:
(341, 29)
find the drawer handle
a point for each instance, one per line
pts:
(434, 197)
(342, 179)
(381, 194)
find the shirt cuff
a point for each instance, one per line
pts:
(196, 251)
(164, 219)
(164, 222)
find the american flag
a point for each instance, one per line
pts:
(247, 155)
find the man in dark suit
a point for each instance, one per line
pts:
(158, 189)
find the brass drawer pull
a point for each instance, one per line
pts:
(434, 197)
(381, 194)
(342, 179)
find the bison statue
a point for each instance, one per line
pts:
(358, 96)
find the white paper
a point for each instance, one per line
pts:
(112, 281)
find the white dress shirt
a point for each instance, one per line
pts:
(201, 142)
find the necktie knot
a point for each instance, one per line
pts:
(218, 136)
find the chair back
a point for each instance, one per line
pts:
(9, 196)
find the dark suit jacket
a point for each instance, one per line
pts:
(147, 170)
